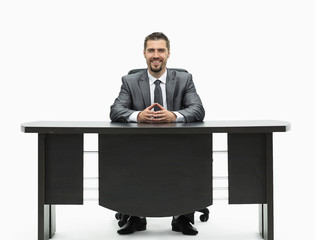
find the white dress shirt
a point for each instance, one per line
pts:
(179, 117)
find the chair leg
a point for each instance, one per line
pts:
(122, 218)
(205, 216)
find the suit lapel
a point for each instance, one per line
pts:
(170, 87)
(145, 88)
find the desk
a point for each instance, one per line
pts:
(250, 167)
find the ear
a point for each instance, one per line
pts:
(144, 53)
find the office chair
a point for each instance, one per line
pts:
(122, 218)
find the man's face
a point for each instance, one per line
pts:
(156, 55)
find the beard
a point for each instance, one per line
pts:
(156, 69)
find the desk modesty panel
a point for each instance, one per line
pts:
(155, 175)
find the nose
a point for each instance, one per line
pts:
(156, 54)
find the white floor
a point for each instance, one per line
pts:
(91, 221)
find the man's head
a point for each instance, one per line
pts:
(156, 52)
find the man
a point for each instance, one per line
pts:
(158, 95)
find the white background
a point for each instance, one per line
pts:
(63, 60)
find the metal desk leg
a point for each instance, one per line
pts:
(43, 209)
(266, 217)
(261, 219)
(268, 208)
(52, 220)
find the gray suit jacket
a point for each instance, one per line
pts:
(181, 96)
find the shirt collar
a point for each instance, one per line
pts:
(162, 78)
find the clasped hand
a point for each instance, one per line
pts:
(162, 116)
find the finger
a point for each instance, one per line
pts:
(151, 114)
(159, 114)
(158, 105)
(163, 112)
(153, 120)
(160, 120)
(150, 107)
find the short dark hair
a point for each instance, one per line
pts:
(157, 36)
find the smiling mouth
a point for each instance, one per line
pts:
(156, 62)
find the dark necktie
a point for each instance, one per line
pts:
(158, 95)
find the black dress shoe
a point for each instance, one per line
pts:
(133, 224)
(182, 224)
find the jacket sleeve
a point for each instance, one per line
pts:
(192, 108)
(121, 109)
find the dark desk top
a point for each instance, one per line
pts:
(240, 126)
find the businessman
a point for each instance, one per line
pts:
(158, 95)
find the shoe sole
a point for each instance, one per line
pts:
(141, 229)
(134, 230)
(177, 229)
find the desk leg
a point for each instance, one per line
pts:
(261, 219)
(46, 213)
(251, 175)
(266, 217)
(52, 220)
